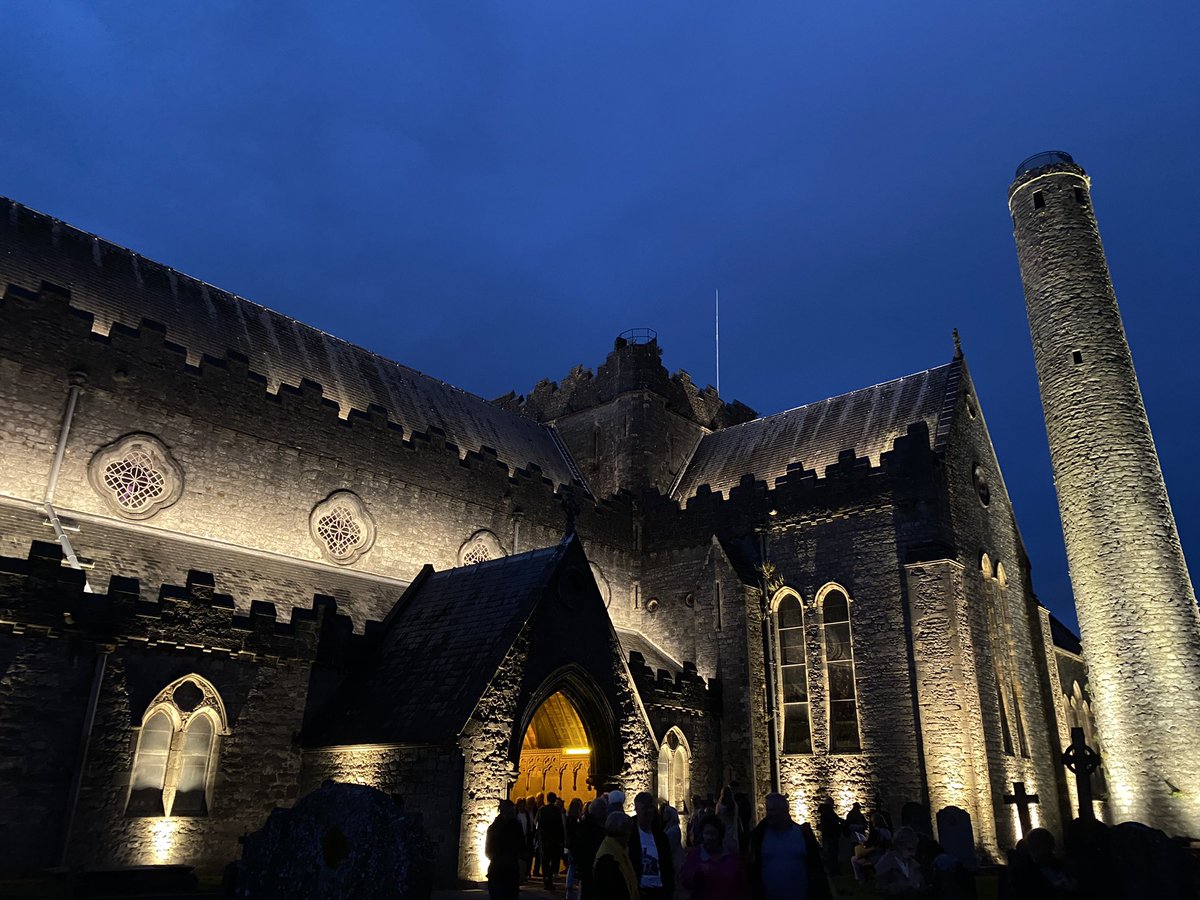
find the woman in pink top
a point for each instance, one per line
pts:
(709, 872)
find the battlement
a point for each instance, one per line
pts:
(630, 367)
(800, 495)
(39, 594)
(123, 292)
(685, 688)
(52, 330)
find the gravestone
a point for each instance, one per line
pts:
(342, 840)
(957, 836)
(1082, 761)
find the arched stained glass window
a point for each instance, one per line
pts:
(674, 770)
(793, 674)
(192, 787)
(177, 750)
(150, 766)
(839, 667)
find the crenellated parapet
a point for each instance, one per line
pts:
(684, 689)
(39, 595)
(119, 294)
(800, 496)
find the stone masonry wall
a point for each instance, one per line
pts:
(45, 682)
(254, 464)
(1137, 608)
(1005, 610)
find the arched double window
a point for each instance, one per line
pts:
(839, 670)
(793, 672)
(674, 770)
(176, 754)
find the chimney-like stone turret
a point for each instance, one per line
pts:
(1137, 609)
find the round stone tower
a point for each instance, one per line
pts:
(1137, 609)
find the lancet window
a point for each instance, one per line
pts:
(176, 755)
(793, 673)
(839, 670)
(674, 770)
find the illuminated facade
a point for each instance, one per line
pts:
(1137, 608)
(239, 556)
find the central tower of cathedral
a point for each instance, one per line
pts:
(1137, 609)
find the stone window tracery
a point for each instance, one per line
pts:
(136, 475)
(1008, 690)
(341, 526)
(176, 754)
(674, 770)
(480, 547)
(840, 686)
(792, 668)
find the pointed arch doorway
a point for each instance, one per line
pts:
(568, 740)
(556, 753)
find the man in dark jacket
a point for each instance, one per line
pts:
(785, 858)
(588, 838)
(504, 846)
(650, 851)
(551, 832)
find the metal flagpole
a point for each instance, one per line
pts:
(718, 324)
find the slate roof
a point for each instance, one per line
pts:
(656, 658)
(114, 284)
(156, 558)
(866, 421)
(1064, 638)
(439, 650)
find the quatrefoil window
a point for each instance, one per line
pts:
(342, 527)
(136, 476)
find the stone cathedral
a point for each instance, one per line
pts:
(239, 557)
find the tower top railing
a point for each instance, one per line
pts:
(639, 336)
(1045, 158)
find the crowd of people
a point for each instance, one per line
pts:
(720, 855)
(611, 855)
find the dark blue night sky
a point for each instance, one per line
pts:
(490, 192)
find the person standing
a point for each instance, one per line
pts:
(831, 831)
(709, 872)
(575, 817)
(785, 858)
(551, 836)
(727, 812)
(613, 877)
(650, 851)
(504, 846)
(674, 832)
(587, 844)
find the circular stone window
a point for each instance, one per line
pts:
(136, 476)
(981, 486)
(972, 409)
(341, 526)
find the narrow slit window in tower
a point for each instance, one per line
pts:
(1039, 200)
(1077, 356)
(1080, 196)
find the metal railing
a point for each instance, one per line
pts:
(640, 336)
(1045, 158)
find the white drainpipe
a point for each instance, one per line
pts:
(48, 501)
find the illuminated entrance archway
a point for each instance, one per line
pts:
(556, 754)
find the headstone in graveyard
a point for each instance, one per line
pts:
(957, 836)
